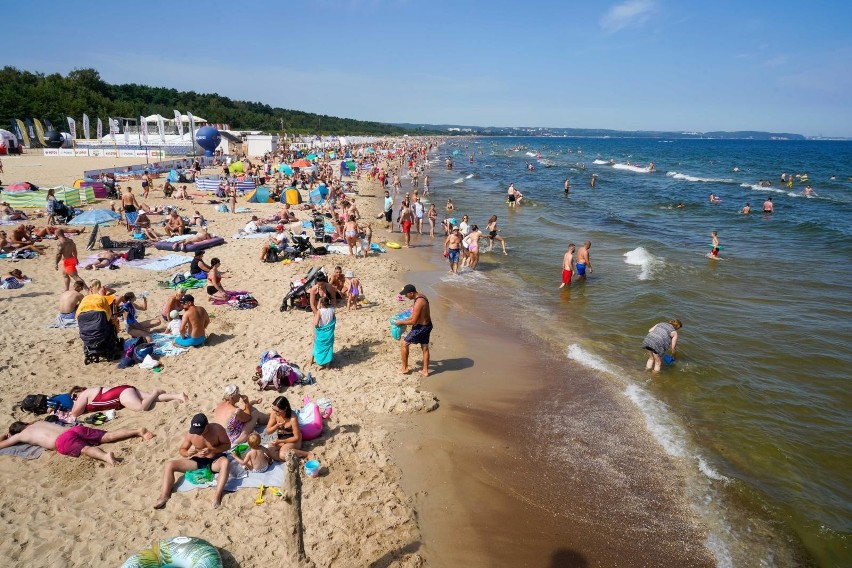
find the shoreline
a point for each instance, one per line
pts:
(467, 482)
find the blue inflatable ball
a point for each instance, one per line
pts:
(209, 139)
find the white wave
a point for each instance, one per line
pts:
(585, 358)
(460, 180)
(686, 177)
(720, 551)
(642, 258)
(632, 168)
(531, 154)
(705, 468)
(601, 162)
(756, 187)
(469, 176)
(666, 433)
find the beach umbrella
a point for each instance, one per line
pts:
(371, 150)
(312, 156)
(332, 155)
(95, 217)
(285, 169)
(301, 164)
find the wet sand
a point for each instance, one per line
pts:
(498, 479)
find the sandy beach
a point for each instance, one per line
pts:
(404, 482)
(73, 512)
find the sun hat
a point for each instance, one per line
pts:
(350, 274)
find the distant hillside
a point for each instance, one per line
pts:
(34, 95)
(596, 132)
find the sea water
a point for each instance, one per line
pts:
(757, 403)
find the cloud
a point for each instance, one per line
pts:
(632, 13)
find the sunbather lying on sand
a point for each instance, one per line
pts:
(70, 441)
(105, 259)
(202, 235)
(98, 399)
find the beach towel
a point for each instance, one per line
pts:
(186, 284)
(131, 217)
(231, 296)
(239, 478)
(63, 323)
(259, 235)
(23, 451)
(162, 263)
(177, 238)
(324, 343)
(12, 283)
(90, 260)
(164, 345)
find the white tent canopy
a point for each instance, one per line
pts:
(183, 118)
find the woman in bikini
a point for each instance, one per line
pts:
(433, 216)
(98, 399)
(492, 234)
(214, 279)
(237, 415)
(283, 422)
(350, 231)
(473, 246)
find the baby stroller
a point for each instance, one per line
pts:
(112, 188)
(302, 244)
(99, 337)
(319, 227)
(61, 213)
(297, 297)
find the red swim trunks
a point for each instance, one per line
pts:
(69, 265)
(72, 441)
(566, 276)
(406, 227)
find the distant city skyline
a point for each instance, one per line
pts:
(632, 65)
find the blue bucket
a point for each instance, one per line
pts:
(668, 359)
(312, 468)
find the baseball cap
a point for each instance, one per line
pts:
(198, 424)
(279, 227)
(187, 298)
(409, 288)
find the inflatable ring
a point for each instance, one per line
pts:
(393, 245)
(310, 420)
(179, 552)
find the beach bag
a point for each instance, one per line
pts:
(60, 402)
(34, 403)
(136, 252)
(200, 476)
(320, 251)
(140, 350)
(177, 278)
(244, 302)
(271, 255)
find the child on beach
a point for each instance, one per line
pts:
(367, 239)
(174, 325)
(353, 290)
(714, 253)
(257, 457)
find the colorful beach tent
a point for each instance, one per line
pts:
(292, 196)
(301, 164)
(19, 187)
(99, 189)
(259, 195)
(72, 196)
(285, 169)
(95, 217)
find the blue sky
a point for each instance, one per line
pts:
(635, 64)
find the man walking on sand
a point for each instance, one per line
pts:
(204, 446)
(67, 255)
(568, 266)
(452, 250)
(72, 441)
(421, 322)
(584, 260)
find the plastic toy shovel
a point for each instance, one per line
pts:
(259, 500)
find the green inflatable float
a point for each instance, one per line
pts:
(236, 168)
(177, 552)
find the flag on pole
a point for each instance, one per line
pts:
(22, 132)
(100, 129)
(113, 125)
(72, 128)
(161, 127)
(126, 134)
(179, 123)
(191, 128)
(39, 131)
(48, 125)
(143, 128)
(85, 126)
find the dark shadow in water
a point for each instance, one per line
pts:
(444, 365)
(565, 558)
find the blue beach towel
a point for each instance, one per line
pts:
(324, 343)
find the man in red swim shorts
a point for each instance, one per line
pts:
(67, 254)
(406, 219)
(70, 441)
(568, 266)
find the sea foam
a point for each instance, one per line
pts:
(585, 358)
(687, 177)
(642, 258)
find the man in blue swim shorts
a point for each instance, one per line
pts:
(584, 259)
(193, 325)
(421, 322)
(452, 249)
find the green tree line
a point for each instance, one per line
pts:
(24, 94)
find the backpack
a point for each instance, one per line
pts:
(271, 255)
(35, 403)
(136, 252)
